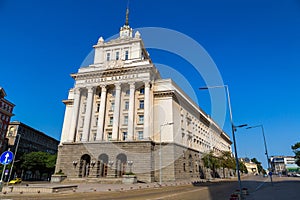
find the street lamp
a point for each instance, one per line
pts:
(233, 129)
(265, 143)
(160, 153)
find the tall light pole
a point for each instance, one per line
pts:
(233, 129)
(265, 143)
(16, 150)
(160, 153)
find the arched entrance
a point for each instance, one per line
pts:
(84, 167)
(102, 165)
(121, 164)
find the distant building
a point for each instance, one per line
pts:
(6, 109)
(284, 164)
(251, 166)
(31, 140)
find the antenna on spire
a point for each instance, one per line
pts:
(127, 14)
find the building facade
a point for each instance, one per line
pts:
(251, 166)
(29, 139)
(121, 116)
(284, 164)
(6, 112)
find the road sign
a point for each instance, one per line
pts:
(6, 157)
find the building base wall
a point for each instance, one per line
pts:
(114, 159)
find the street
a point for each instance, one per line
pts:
(258, 186)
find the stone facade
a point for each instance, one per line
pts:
(121, 116)
(6, 112)
(29, 139)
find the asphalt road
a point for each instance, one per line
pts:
(201, 191)
(259, 188)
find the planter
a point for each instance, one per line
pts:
(57, 178)
(129, 179)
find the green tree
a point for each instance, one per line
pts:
(259, 166)
(39, 161)
(243, 167)
(227, 161)
(296, 150)
(212, 162)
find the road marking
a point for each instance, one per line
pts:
(173, 195)
(260, 185)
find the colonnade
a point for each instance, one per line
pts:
(100, 134)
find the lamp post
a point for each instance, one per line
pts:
(233, 129)
(265, 144)
(12, 165)
(160, 153)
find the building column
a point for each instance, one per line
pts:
(116, 115)
(131, 112)
(147, 111)
(101, 116)
(73, 126)
(88, 114)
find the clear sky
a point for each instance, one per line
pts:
(255, 45)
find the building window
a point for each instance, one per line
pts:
(126, 55)
(141, 135)
(111, 121)
(125, 135)
(125, 120)
(141, 104)
(113, 93)
(141, 119)
(82, 122)
(84, 108)
(126, 105)
(142, 91)
(98, 107)
(127, 93)
(108, 57)
(112, 106)
(94, 136)
(80, 136)
(96, 121)
(117, 55)
(109, 136)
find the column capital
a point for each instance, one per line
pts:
(147, 83)
(132, 85)
(118, 86)
(90, 89)
(77, 90)
(103, 87)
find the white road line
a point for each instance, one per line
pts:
(173, 195)
(260, 185)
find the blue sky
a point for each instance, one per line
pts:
(255, 45)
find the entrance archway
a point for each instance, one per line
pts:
(121, 164)
(84, 167)
(102, 165)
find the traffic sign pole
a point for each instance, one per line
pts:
(5, 158)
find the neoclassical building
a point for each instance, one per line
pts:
(121, 116)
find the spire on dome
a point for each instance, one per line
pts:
(126, 31)
(127, 17)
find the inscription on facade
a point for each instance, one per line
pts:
(111, 78)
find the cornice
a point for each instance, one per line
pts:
(68, 101)
(163, 94)
(111, 72)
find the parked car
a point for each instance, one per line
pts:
(15, 181)
(296, 175)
